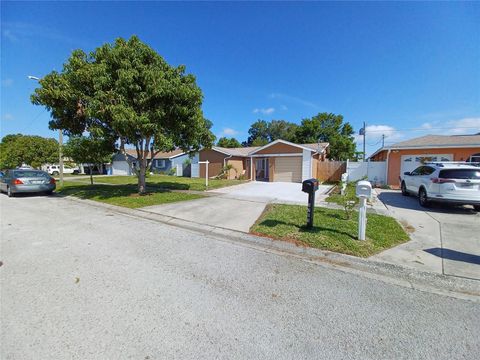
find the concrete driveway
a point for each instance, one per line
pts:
(237, 207)
(445, 239)
(275, 192)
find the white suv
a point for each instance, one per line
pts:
(452, 182)
(67, 169)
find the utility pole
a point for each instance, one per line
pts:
(364, 131)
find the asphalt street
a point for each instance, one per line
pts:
(81, 282)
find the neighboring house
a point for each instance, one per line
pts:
(125, 164)
(408, 155)
(279, 160)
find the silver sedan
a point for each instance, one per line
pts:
(26, 181)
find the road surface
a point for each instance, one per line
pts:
(81, 282)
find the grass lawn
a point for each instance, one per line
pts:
(331, 231)
(123, 195)
(168, 182)
(336, 197)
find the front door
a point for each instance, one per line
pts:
(261, 169)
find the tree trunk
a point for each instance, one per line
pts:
(142, 188)
(91, 175)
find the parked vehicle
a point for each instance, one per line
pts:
(447, 182)
(26, 181)
(67, 169)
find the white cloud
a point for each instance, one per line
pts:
(266, 111)
(294, 99)
(374, 137)
(7, 82)
(7, 116)
(464, 126)
(229, 131)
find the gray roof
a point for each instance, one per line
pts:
(439, 141)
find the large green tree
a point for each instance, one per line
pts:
(127, 91)
(328, 127)
(228, 142)
(89, 149)
(18, 149)
(262, 132)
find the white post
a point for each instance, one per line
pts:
(362, 218)
(206, 174)
(206, 171)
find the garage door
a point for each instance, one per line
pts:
(288, 169)
(411, 162)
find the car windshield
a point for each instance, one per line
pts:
(471, 174)
(29, 174)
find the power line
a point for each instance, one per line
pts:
(423, 129)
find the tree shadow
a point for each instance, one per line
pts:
(454, 255)
(304, 229)
(100, 191)
(168, 185)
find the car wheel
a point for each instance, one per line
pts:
(9, 192)
(476, 207)
(55, 173)
(48, 193)
(423, 198)
(404, 189)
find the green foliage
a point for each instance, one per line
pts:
(328, 127)
(228, 143)
(16, 149)
(127, 90)
(89, 150)
(224, 174)
(262, 132)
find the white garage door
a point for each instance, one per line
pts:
(288, 169)
(411, 162)
(121, 168)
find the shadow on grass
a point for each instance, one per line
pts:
(104, 192)
(166, 185)
(304, 228)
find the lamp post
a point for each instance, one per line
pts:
(60, 142)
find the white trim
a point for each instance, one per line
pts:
(425, 147)
(283, 142)
(174, 156)
(276, 155)
(306, 165)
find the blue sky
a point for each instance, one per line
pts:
(396, 66)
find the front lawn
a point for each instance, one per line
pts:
(331, 231)
(123, 195)
(168, 182)
(337, 198)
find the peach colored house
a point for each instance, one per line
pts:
(279, 160)
(408, 155)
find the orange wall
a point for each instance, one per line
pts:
(394, 159)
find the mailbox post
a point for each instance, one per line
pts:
(310, 186)
(364, 192)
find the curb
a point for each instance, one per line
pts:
(460, 288)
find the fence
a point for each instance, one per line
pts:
(330, 170)
(374, 171)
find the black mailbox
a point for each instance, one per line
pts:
(309, 186)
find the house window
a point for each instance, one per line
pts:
(160, 163)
